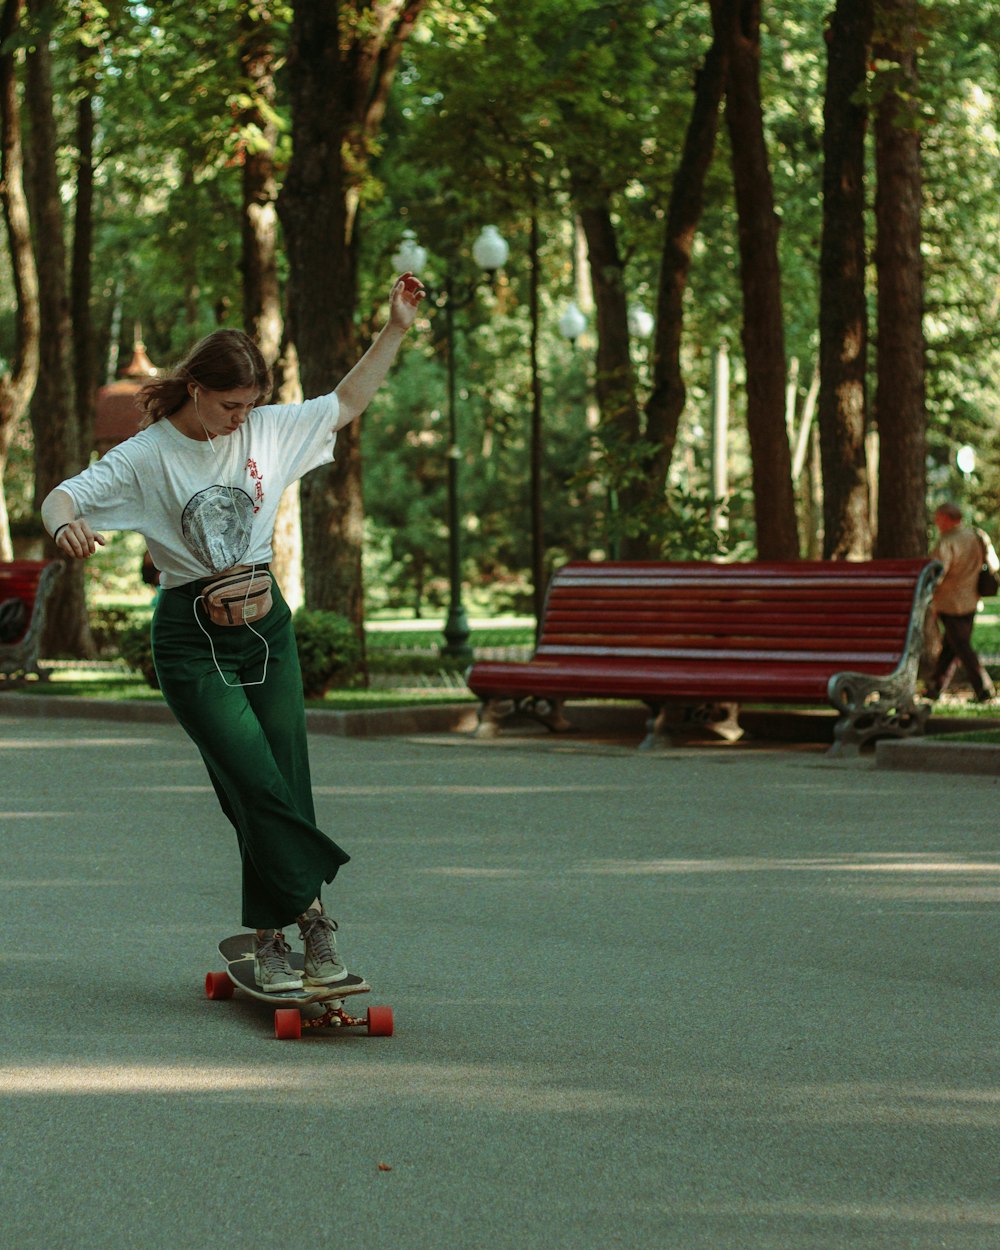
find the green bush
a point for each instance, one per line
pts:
(136, 650)
(109, 622)
(329, 650)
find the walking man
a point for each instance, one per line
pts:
(963, 552)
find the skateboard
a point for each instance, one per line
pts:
(288, 1018)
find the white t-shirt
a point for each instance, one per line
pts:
(204, 507)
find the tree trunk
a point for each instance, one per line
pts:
(259, 263)
(84, 349)
(843, 321)
(340, 73)
(322, 293)
(18, 384)
(259, 260)
(615, 377)
(737, 23)
(54, 421)
(57, 449)
(537, 440)
(899, 395)
(288, 523)
(614, 384)
(667, 397)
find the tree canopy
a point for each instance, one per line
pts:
(609, 143)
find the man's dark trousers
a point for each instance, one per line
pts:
(956, 646)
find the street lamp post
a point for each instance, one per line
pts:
(456, 627)
(489, 251)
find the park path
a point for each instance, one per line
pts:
(719, 999)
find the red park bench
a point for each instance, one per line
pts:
(696, 634)
(24, 587)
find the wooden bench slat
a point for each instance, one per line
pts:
(758, 626)
(646, 645)
(716, 597)
(696, 646)
(19, 587)
(804, 654)
(798, 572)
(688, 608)
(700, 682)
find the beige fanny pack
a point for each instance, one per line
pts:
(238, 596)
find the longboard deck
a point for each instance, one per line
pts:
(237, 951)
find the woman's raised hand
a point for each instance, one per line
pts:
(405, 299)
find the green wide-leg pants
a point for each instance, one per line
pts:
(252, 738)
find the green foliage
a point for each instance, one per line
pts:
(19, 479)
(497, 110)
(686, 523)
(961, 150)
(328, 647)
(113, 573)
(404, 444)
(110, 624)
(136, 650)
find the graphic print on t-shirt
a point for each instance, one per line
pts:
(216, 526)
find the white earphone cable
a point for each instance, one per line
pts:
(267, 649)
(253, 568)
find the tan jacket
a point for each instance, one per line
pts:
(963, 552)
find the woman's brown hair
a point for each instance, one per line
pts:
(225, 360)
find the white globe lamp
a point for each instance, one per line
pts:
(410, 256)
(490, 250)
(572, 323)
(640, 322)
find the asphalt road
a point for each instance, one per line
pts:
(719, 999)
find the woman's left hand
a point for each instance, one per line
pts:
(404, 300)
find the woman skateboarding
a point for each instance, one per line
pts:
(201, 482)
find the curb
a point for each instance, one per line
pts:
(394, 721)
(365, 723)
(925, 755)
(598, 718)
(41, 706)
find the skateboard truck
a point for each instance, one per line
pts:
(289, 1021)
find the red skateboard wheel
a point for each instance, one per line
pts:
(218, 985)
(380, 1022)
(287, 1024)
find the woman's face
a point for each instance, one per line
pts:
(223, 412)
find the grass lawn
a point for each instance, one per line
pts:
(394, 686)
(989, 737)
(386, 637)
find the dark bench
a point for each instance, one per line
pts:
(710, 636)
(28, 582)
